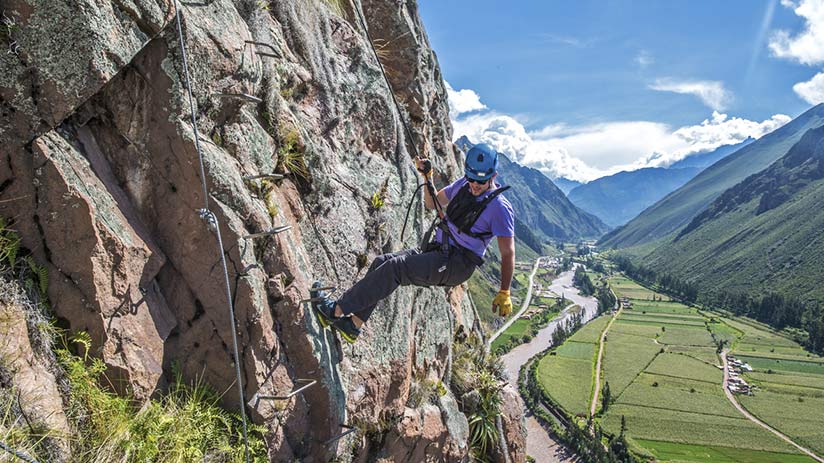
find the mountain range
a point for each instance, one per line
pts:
(662, 221)
(618, 198)
(763, 233)
(544, 212)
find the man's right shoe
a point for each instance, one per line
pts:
(324, 308)
(347, 329)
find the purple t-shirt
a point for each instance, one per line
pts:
(498, 219)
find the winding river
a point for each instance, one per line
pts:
(538, 442)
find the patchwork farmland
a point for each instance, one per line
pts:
(666, 382)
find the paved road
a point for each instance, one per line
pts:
(755, 420)
(538, 442)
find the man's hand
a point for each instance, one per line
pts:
(503, 303)
(421, 165)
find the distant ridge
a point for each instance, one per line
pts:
(540, 205)
(666, 217)
(763, 234)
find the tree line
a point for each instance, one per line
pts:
(775, 309)
(589, 442)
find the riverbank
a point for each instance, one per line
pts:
(539, 443)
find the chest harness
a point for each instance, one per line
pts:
(462, 211)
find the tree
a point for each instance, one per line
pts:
(606, 397)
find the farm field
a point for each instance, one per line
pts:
(566, 373)
(662, 368)
(523, 326)
(670, 451)
(661, 363)
(789, 381)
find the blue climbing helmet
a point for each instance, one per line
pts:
(481, 162)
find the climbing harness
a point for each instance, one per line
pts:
(211, 220)
(464, 210)
(17, 453)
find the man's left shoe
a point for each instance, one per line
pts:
(324, 308)
(347, 329)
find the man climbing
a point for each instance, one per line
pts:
(475, 212)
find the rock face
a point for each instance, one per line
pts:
(101, 177)
(26, 377)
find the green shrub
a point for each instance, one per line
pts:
(184, 425)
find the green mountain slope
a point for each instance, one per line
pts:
(617, 198)
(676, 210)
(764, 234)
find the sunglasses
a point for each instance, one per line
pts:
(480, 182)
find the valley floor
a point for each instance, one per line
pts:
(667, 382)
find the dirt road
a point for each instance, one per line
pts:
(755, 420)
(597, 390)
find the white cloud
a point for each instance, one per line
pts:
(644, 59)
(811, 91)
(711, 92)
(462, 101)
(567, 40)
(509, 136)
(587, 152)
(807, 47)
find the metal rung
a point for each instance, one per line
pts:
(273, 231)
(270, 55)
(309, 383)
(240, 96)
(335, 439)
(264, 176)
(264, 44)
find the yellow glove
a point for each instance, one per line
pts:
(503, 303)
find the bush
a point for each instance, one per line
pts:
(185, 425)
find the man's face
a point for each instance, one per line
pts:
(478, 189)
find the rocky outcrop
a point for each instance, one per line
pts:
(29, 391)
(102, 181)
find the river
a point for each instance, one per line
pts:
(539, 444)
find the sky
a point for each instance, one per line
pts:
(582, 89)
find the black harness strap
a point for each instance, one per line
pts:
(464, 210)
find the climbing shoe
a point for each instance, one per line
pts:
(324, 307)
(347, 329)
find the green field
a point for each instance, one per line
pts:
(566, 373)
(568, 380)
(789, 381)
(516, 330)
(624, 287)
(670, 451)
(661, 364)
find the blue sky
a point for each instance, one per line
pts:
(562, 81)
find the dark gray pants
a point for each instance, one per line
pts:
(437, 267)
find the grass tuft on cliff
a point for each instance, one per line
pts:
(184, 425)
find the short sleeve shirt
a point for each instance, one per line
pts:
(498, 218)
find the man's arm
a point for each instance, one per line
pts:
(428, 199)
(506, 244)
(428, 202)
